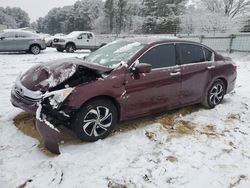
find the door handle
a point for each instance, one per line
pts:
(175, 73)
(211, 67)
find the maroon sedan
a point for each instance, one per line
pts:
(126, 79)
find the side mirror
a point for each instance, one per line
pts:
(142, 68)
(79, 37)
(1, 38)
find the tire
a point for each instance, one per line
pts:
(103, 44)
(70, 48)
(89, 126)
(60, 49)
(92, 50)
(35, 49)
(215, 94)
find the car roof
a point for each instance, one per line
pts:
(157, 39)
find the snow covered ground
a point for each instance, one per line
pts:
(191, 147)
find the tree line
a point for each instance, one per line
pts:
(138, 16)
(114, 16)
(14, 17)
(148, 17)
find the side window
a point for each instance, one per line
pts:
(208, 54)
(90, 36)
(83, 35)
(160, 56)
(9, 35)
(191, 53)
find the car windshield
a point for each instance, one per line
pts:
(115, 54)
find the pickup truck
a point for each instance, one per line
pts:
(77, 40)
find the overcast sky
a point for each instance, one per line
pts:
(36, 8)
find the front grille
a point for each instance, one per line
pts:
(25, 99)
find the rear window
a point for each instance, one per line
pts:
(23, 35)
(191, 53)
(9, 34)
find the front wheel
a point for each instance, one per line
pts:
(70, 48)
(95, 120)
(35, 49)
(215, 94)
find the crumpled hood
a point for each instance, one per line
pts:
(48, 75)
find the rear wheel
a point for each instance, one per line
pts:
(35, 49)
(215, 94)
(95, 120)
(70, 48)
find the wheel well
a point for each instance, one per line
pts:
(224, 81)
(34, 45)
(105, 97)
(70, 43)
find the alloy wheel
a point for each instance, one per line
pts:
(216, 94)
(35, 50)
(97, 121)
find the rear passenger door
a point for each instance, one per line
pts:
(157, 90)
(196, 63)
(23, 41)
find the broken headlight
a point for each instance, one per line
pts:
(56, 98)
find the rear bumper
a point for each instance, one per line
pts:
(61, 46)
(43, 46)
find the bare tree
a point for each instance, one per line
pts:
(231, 8)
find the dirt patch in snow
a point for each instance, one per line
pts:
(25, 122)
(233, 117)
(168, 120)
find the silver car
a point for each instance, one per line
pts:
(15, 40)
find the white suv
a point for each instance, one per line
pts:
(77, 40)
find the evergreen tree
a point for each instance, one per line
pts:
(121, 15)
(20, 16)
(162, 16)
(110, 13)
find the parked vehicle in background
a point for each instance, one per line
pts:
(49, 39)
(77, 40)
(18, 40)
(125, 79)
(59, 35)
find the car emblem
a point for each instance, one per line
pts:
(19, 90)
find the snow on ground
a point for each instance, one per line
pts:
(191, 147)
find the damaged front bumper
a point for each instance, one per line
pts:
(44, 106)
(49, 133)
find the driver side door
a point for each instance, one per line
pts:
(81, 40)
(157, 90)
